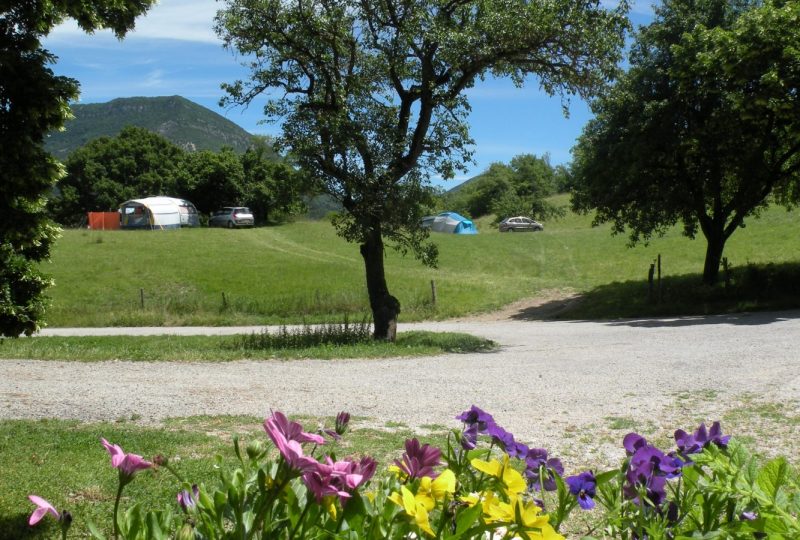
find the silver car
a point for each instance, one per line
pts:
(520, 224)
(231, 217)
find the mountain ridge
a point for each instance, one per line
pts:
(185, 123)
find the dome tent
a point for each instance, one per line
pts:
(158, 213)
(450, 222)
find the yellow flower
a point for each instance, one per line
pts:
(512, 479)
(414, 508)
(430, 491)
(496, 510)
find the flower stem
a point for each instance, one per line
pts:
(300, 519)
(116, 506)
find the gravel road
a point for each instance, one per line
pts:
(553, 384)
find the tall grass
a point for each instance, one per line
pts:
(343, 333)
(303, 271)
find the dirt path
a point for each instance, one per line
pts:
(560, 384)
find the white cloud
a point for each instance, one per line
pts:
(183, 20)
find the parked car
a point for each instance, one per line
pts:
(520, 224)
(231, 216)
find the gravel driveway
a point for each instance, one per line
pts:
(559, 384)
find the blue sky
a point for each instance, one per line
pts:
(174, 51)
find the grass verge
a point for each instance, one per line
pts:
(64, 462)
(227, 348)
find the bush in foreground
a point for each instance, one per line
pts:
(485, 484)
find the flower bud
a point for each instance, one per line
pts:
(342, 421)
(254, 449)
(186, 532)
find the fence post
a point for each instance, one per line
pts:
(650, 274)
(224, 301)
(141, 297)
(433, 292)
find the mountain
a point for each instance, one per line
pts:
(185, 123)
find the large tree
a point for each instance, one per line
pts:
(33, 102)
(702, 129)
(371, 94)
(108, 171)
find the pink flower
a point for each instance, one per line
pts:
(128, 464)
(288, 437)
(339, 478)
(43, 508)
(291, 431)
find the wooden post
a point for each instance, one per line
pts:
(224, 301)
(660, 295)
(433, 292)
(650, 274)
(141, 297)
(726, 268)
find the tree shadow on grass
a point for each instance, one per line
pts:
(753, 295)
(16, 526)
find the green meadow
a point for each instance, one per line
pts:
(302, 271)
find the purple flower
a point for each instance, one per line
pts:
(694, 443)
(748, 516)
(648, 470)
(583, 487)
(663, 465)
(644, 478)
(539, 465)
(632, 442)
(342, 422)
(715, 436)
(419, 461)
(188, 499)
(506, 441)
(42, 509)
(475, 415)
(469, 437)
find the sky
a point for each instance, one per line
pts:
(174, 51)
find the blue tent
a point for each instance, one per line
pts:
(450, 222)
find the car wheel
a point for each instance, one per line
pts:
(230, 224)
(511, 229)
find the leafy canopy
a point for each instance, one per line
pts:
(33, 102)
(702, 129)
(371, 94)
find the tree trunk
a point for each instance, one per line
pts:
(716, 244)
(385, 307)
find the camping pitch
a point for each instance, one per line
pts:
(449, 222)
(158, 213)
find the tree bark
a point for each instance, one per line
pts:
(714, 248)
(385, 307)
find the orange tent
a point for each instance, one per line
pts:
(104, 221)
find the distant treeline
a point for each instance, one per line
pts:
(138, 163)
(517, 188)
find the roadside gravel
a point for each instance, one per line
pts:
(574, 387)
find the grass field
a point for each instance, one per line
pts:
(303, 271)
(64, 462)
(225, 348)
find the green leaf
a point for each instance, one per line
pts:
(94, 531)
(772, 477)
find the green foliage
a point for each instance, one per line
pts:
(212, 180)
(111, 170)
(184, 123)
(372, 100)
(33, 102)
(702, 129)
(139, 163)
(519, 188)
